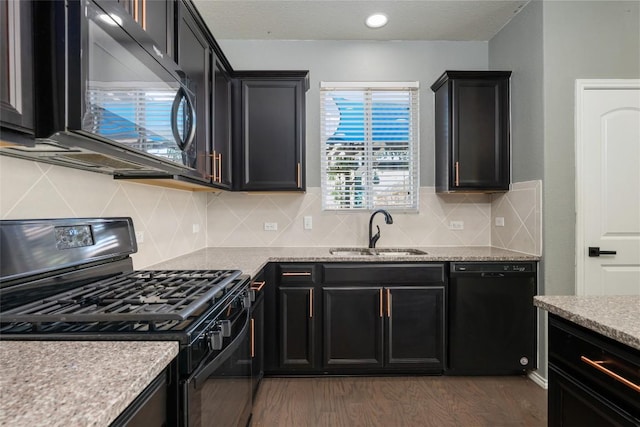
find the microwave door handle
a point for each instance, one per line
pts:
(175, 108)
(205, 371)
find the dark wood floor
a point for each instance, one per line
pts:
(400, 401)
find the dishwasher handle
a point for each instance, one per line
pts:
(492, 274)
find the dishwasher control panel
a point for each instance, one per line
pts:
(493, 267)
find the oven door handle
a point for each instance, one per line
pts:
(205, 371)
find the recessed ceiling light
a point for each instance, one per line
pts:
(376, 20)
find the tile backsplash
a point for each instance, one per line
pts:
(521, 209)
(164, 216)
(236, 219)
(167, 217)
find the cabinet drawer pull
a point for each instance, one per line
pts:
(381, 304)
(388, 302)
(220, 168)
(299, 175)
(310, 303)
(302, 273)
(144, 15)
(457, 174)
(253, 339)
(257, 286)
(598, 365)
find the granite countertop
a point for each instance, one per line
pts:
(252, 259)
(75, 383)
(616, 317)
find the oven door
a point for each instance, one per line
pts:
(219, 392)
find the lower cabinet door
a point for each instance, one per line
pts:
(297, 332)
(353, 322)
(415, 327)
(571, 403)
(257, 343)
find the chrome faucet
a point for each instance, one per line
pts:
(387, 219)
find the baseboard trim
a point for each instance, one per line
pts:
(538, 379)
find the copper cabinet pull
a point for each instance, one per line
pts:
(253, 339)
(135, 10)
(144, 14)
(216, 166)
(311, 303)
(457, 174)
(598, 365)
(257, 286)
(299, 176)
(301, 273)
(381, 304)
(388, 302)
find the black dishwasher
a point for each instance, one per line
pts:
(492, 320)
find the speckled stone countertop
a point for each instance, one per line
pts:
(75, 383)
(252, 260)
(616, 317)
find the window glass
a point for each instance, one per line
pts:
(369, 140)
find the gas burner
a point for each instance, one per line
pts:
(130, 298)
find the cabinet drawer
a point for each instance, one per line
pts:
(383, 273)
(610, 367)
(296, 273)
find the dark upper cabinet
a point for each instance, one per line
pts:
(472, 122)
(270, 131)
(16, 72)
(156, 17)
(222, 151)
(194, 57)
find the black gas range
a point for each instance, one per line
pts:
(73, 279)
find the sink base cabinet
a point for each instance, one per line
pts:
(349, 324)
(415, 327)
(352, 327)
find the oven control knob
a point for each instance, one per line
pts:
(215, 340)
(225, 327)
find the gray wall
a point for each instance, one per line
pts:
(582, 39)
(361, 61)
(519, 47)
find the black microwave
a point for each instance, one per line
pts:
(107, 98)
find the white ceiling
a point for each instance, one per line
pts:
(477, 20)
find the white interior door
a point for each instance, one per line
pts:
(608, 187)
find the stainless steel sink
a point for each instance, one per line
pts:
(376, 251)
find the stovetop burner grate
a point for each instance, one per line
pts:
(152, 296)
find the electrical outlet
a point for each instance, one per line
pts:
(308, 222)
(140, 236)
(270, 226)
(456, 225)
(499, 221)
(196, 228)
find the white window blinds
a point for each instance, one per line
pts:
(369, 140)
